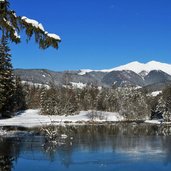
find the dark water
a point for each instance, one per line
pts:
(104, 148)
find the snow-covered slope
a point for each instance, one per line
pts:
(137, 67)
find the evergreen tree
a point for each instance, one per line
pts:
(11, 25)
(19, 96)
(6, 79)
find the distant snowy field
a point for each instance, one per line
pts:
(32, 118)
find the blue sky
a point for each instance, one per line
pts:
(96, 34)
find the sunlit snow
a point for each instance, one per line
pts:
(33, 22)
(32, 118)
(136, 67)
(155, 93)
(55, 36)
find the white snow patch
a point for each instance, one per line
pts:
(64, 136)
(115, 82)
(137, 87)
(159, 121)
(3, 132)
(153, 121)
(10, 24)
(35, 84)
(32, 118)
(40, 26)
(155, 93)
(34, 23)
(14, 14)
(78, 85)
(84, 71)
(16, 34)
(55, 36)
(143, 74)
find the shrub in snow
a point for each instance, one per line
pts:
(93, 115)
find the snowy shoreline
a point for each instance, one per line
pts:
(32, 118)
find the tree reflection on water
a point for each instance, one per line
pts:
(126, 139)
(9, 152)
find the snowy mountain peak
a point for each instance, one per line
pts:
(137, 67)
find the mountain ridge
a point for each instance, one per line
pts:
(134, 74)
(136, 66)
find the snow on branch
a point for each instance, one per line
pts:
(33, 22)
(13, 30)
(16, 35)
(54, 36)
(11, 25)
(38, 25)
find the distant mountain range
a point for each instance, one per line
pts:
(152, 75)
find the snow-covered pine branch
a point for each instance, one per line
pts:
(11, 25)
(42, 37)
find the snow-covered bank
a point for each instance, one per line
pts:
(153, 121)
(32, 118)
(156, 122)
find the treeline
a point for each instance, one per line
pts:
(129, 102)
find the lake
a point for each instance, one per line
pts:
(121, 146)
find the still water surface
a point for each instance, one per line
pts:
(104, 148)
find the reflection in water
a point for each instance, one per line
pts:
(8, 153)
(104, 147)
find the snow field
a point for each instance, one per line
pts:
(32, 118)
